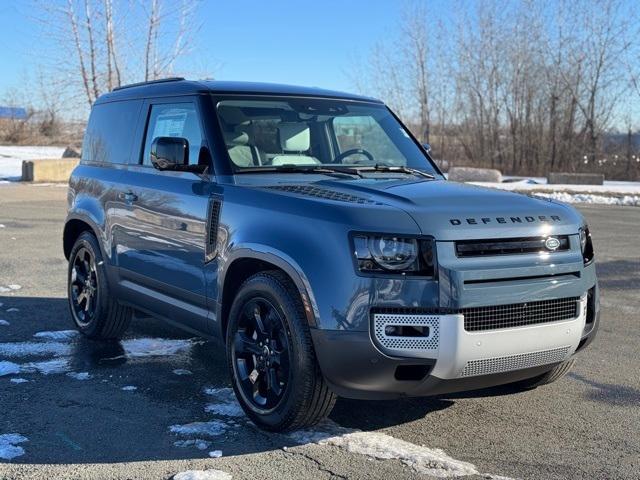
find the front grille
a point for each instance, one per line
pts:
(499, 316)
(519, 314)
(487, 366)
(508, 246)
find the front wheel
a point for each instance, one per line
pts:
(271, 357)
(95, 313)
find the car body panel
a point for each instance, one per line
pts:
(156, 251)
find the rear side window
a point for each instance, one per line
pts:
(110, 132)
(174, 120)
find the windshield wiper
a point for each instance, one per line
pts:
(286, 168)
(397, 168)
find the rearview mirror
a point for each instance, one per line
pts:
(169, 153)
(427, 147)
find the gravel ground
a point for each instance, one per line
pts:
(85, 425)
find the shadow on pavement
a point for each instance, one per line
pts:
(95, 421)
(609, 393)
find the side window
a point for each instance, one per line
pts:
(174, 120)
(110, 132)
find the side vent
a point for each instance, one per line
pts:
(213, 217)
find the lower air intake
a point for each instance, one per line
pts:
(487, 366)
(385, 326)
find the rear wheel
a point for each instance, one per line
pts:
(550, 376)
(95, 313)
(271, 358)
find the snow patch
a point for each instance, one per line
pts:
(9, 368)
(11, 158)
(18, 380)
(182, 371)
(611, 193)
(129, 388)
(380, 446)
(215, 453)
(57, 365)
(9, 447)
(14, 286)
(196, 442)
(207, 429)
(4, 323)
(79, 375)
(625, 200)
(202, 475)
(2, 226)
(58, 334)
(25, 349)
(154, 347)
(227, 405)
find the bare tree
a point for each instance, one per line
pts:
(527, 86)
(101, 38)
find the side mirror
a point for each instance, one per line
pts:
(169, 153)
(427, 147)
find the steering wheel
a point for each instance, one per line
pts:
(353, 151)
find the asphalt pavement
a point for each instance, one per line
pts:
(80, 409)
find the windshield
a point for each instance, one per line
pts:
(270, 134)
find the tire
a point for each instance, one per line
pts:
(550, 376)
(95, 313)
(280, 387)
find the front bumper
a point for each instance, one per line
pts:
(357, 366)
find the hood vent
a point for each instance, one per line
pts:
(313, 191)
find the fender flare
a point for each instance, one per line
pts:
(279, 259)
(86, 217)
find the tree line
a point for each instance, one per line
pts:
(527, 87)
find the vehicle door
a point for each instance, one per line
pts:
(161, 249)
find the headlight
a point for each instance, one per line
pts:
(393, 254)
(586, 245)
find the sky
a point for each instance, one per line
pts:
(284, 41)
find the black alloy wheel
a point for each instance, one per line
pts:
(260, 354)
(271, 357)
(96, 313)
(84, 286)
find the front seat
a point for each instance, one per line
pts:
(295, 141)
(240, 151)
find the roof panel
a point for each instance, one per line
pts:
(191, 87)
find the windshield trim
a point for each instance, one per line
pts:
(217, 98)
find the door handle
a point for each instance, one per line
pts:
(128, 197)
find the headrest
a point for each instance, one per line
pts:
(236, 138)
(294, 137)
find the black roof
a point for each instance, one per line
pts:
(179, 86)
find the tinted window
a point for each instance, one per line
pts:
(364, 132)
(110, 132)
(174, 120)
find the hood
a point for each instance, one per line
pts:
(449, 210)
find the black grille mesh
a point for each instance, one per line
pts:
(507, 246)
(519, 314)
(502, 316)
(211, 245)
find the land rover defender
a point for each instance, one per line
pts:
(315, 237)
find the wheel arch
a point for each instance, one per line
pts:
(73, 228)
(246, 262)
